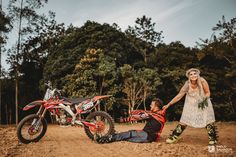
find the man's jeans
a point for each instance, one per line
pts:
(137, 136)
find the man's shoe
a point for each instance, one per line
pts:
(104, 139)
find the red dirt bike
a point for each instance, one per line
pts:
(67, 111)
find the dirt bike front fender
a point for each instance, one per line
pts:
(88, 124)
(33, 104)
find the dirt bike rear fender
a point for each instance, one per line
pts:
(33, 104)
(101, 97)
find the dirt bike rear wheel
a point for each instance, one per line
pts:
(104, 123)
(35, 129)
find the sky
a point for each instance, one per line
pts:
(180, 20)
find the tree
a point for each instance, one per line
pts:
(228, 31)
(138, 84)
(35, 51)
(95, 74)
(217, 58)
(81, 83)
(5, 27)
(24, 12)
(132, 86)
(150, 81)
(72, 47)
(144, 36)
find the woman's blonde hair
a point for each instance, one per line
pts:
(198, 79)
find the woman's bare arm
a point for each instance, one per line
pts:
(180, 95)
(205, 87)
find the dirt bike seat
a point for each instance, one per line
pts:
(73, 101)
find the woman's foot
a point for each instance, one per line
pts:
(212, 142)
(212, 134)
(172, 139)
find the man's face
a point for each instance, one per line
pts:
(153, 106)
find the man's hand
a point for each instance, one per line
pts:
(144, 115)
(139, 114)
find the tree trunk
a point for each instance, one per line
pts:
(132, 105)
(99, 107)
(231, 104)
(6, 114)
(10, 116)
(145, 57)
(16, 101)
(1, 74)
(52, 119)
(129, 109)
(0, 84)
(105, 108)
(101, 87)
(100, 92)
(144, 97)
(17, 53)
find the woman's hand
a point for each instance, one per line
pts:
(166, 106)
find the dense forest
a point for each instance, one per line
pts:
(134, 65)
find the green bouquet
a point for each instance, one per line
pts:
(203, 104)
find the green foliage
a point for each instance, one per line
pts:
(144, 36)
(132, 86)
(228, 31)
(138, 85)
(94, 74)
(72, 47)
(31, 28)
(145, 30)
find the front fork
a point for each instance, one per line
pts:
(41, 113)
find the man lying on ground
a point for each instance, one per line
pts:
(151, 131)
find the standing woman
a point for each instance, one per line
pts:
(198, 111)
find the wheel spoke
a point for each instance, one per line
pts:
(31, 129)
(103, 122)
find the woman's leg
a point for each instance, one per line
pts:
(212, 134)
(176, 133)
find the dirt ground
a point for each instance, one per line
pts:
(72, 141)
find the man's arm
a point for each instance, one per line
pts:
(139, 115)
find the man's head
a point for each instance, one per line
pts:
(156, 104)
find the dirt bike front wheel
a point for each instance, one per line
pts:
(103, 122)
(31, 129)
